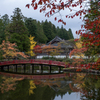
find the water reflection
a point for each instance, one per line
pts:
(73, 86)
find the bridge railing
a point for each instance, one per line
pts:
(33, 61)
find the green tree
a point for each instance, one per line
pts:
(2, 35)
(70, 34)
(17, 31)
(31, 27)
(41, 37)
(5, 20)
(63, 33)
(47, 30)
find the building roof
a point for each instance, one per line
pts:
(55, 40)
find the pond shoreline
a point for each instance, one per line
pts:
(82, 70)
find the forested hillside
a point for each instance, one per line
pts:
(19, 28)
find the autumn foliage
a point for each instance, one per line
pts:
(10, 50)
(37, 49)
(32, 45)
(54, 6)
(8, 83)
(51, 50)
(89, 11)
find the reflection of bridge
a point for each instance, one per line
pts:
(6, 64)
(51, 76)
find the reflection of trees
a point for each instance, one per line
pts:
(20, 93)
(32, 87)
(60, 86)
(49, 83)
(8, 83)
(45, 90)
(92, 87)
(89, 87)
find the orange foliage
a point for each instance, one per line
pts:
(9, 84)
(51, 50)
(10, 50)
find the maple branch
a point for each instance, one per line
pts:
(62, 6)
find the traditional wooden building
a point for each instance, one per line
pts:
(65, 46)
(62, 47)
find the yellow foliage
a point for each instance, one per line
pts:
(32, 45)
(80, 77)
(32, 87)
(79, 46)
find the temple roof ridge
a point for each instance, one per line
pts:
(57, 38)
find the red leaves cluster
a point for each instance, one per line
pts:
(54, 7)
(37, 49)
(92, 38)
(60, 20)
(28, 5)
(76, 51)
(96, 65)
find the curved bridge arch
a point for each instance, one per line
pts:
(32, 62)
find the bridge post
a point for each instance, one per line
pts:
(8, 68)
(16, 67)
(59, 69)
(41, 68)
(24, 67)
(49, 68)
(21, 68)
(2, 68)
(32, 68)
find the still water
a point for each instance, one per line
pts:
(71, 86)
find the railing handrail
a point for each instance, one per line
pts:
(33, 61)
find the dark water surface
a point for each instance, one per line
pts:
(73, 86)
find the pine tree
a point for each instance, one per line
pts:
(17, 31)
(70, 34)
(5, 20)
(41, 37)
(2, 35)
(31, 27)
(48, 30)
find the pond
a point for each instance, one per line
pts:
(71, 86)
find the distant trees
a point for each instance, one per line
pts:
(47, 28)
(41, 37)
(19, 28)
(31, 26)
(46, 31)
(51, 31)
(17, 31)
(4, 21)
(2, 35)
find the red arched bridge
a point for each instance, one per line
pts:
(6, 65)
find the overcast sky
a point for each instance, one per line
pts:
(8, 6)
